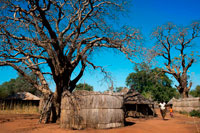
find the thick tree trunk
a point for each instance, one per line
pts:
(54, 112)
(183, 86)
(183, 92)
(56, 108)
(62, 79)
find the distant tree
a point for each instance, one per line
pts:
(84, 86)
(196, 91)
(173, 43)
(7, 88)
(140, 78)
(118, 89)
(21, 84)
(152, 83)
(18, 85)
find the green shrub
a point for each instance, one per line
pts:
(195, 113)
(183, 112)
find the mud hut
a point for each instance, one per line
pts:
(136, 105)
(84, 109)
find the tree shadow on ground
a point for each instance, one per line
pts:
(129, 123)
(165, 119)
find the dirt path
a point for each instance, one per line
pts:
(11, 123)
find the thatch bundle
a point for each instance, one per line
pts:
(83, 109)
(186, 104)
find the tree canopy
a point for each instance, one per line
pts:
(17, 85)
(55, 38)
(84, 86)
(196, 91)
(174, 45)
(118, 89)
(152, 83)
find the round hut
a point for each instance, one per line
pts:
(137, 105)
(84, 109)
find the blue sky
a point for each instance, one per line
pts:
(145, 15)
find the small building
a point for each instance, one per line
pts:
(137, 105)
(20, 99)
(23, 96)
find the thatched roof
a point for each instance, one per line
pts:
(134, 97)
(171, 101)
(24, 96)
(124, 90)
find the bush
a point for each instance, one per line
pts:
(183, 112)
(195, 113)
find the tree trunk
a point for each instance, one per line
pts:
(54, 112)
(184, 92)
(184, 89)
(56, 108)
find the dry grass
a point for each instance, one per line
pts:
(20, 109)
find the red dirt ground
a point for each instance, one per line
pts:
(15, 123)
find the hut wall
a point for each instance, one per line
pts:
(92, 110)
(186, 104)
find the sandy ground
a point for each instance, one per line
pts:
(15, 123)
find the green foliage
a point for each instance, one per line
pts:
(84, 86)
(195, 113)
(147, 95)
(152, 83)
(183, 112)
(17, 85)
(118, 89)
(196, 91)
(177, 95)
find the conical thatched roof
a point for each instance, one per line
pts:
(134, 97)
(171, 101)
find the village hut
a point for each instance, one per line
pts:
(24, 96)
(136, 105)
(171, 101)
(21, 99)
(84, 109)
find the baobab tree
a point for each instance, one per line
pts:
(175, 45)
(55, 37)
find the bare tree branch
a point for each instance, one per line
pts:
(172, 38)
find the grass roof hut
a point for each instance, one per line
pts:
(137, 105)
(24, 96)
(19, 100)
